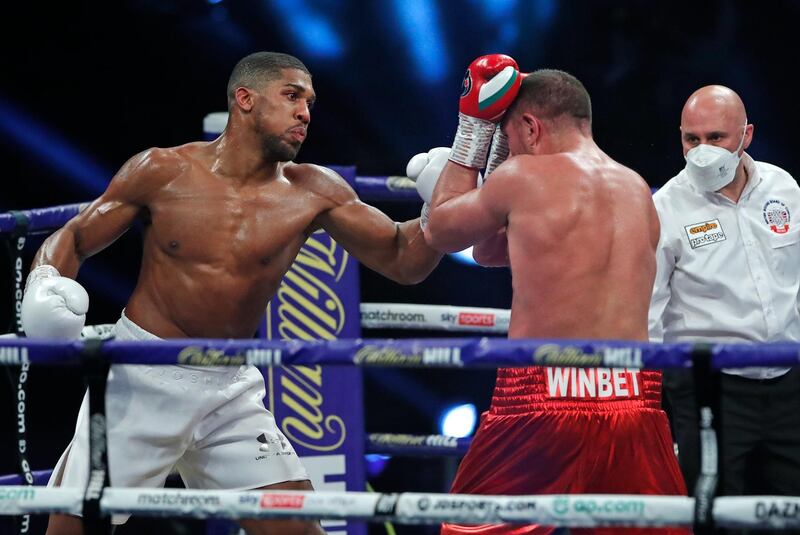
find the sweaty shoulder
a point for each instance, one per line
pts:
(565, 172)
(534, 181)
(320, 181)
(155, 166)
(523, 168)
(146, 173)
(630, 180)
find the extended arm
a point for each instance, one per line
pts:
(395, 250)
(462, 215)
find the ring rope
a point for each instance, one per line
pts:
(417, 445)
(575, 510)
(420, 353)
(397, 316)
(380, 443)
(41, 219)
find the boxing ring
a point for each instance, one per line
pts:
(458, 353)
(344, 353)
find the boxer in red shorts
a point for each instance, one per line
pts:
(579, 231)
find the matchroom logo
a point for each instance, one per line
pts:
(704, 233)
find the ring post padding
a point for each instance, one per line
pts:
(18, 378)
(706, 387)
(96, 372)
(16, 248)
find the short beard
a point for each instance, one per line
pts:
(275, 149)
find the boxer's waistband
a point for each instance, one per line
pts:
(522, 390)
(127, 329)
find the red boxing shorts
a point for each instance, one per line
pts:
(571, 431)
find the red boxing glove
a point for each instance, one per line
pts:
(490, 85)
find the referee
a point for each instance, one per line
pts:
(729, 271)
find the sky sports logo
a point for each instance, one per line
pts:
(282, 501)
(476, 318)
(704, 233)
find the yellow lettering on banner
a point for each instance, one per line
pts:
(295, 322)
(556, 355)
(300, 296)
(309, 258)
(309, 309)
(313, 373)
(386, 356)
(305, 400)
(197, 356)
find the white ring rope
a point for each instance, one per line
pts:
(434, 317)
(397, 316)
(437, 317)
(588, 510)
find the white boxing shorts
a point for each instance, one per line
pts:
(209, 423)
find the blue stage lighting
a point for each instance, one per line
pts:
(545, 11)
(310, 29)
(375, 463)
(464, 257)
(494, 10)
(48, 147)
(419, 22)
(458, 421)
(509, 34)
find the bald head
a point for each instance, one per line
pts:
(714, 115)
(715, 99)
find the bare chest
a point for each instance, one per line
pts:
(228, 228)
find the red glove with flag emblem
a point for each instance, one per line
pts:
(490, 85)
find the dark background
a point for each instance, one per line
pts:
(85, 85)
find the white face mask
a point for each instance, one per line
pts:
(711, 168)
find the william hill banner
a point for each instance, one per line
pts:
(319, 408)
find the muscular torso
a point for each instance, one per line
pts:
(582, 255)
(215, 249)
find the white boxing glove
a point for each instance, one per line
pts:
(424, 169)
(53, 306)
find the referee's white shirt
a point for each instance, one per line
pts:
(729, 272)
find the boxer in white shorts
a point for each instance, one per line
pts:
(223, 222)
(223, 438)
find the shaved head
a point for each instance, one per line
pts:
(714, 115)
(715, 99)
